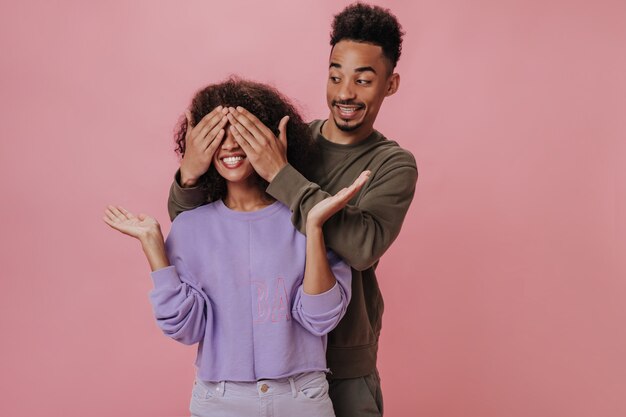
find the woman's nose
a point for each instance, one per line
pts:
(229, 141)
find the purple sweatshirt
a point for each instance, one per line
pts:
(235, 287)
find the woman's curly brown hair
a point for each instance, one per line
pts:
(269, 106)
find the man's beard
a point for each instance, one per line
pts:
(346, 128)
(341, 127)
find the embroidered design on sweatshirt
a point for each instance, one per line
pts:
(273, 303)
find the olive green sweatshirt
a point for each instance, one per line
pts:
(360, 233)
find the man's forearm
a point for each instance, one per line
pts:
(184, 198)
(358, 233)
(186, 181)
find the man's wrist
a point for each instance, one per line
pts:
(186, 181)
(272, 175)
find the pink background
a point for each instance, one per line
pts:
(505, 292)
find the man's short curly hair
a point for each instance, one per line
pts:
(269, 106)
(372, 24)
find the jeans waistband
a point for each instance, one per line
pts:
(262, 387)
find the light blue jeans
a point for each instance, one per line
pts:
(304, 395)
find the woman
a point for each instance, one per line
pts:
(232, 276)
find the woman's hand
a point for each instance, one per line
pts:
(323, 210)
(318, 276)
(142, 227)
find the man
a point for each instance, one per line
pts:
(366, 44)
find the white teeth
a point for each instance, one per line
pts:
(232, 159)
(347, 109)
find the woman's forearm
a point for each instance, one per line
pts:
(154, 248)
(318, 277)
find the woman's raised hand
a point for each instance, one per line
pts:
(140, 227)
(323, 210)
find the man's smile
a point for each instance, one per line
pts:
(348, 111)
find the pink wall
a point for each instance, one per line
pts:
(505, 291)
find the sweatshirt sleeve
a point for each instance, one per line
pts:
(320, 313)
(183, 199)
(361, 232)
(180, 306)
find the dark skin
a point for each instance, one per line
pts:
(202, 140)
(318, 277)
(360, 78)
(266, 152)
(208, 139)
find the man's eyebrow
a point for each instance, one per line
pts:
(359, 69)
(363, 69)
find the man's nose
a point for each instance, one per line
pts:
(346, 91)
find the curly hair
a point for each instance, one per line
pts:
(269, 106)
(372, 24)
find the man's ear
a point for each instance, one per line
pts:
(393, 83)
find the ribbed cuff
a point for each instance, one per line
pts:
(182, 199)
(179, 188)
(321, 303)
(165, 277)
(287, 184)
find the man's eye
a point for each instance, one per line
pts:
(363, 82)
(334, 79)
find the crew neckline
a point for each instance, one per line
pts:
(373, 137)
(248, 215)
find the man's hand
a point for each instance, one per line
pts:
(323, 210)
(266, 152)
(201, 142)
